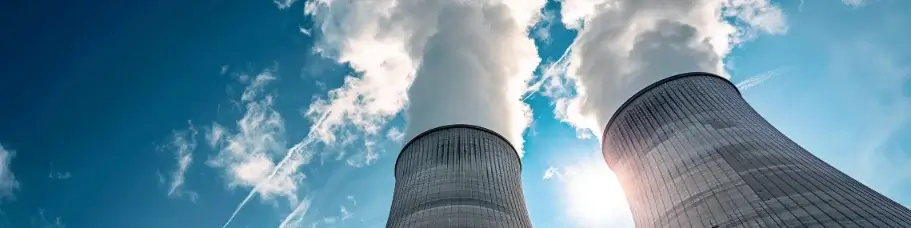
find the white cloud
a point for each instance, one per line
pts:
(344, 213)
(214, 134)
(760, 78)
(551, 172)
(541, 31)
(623, 46)
(354, 202)
(367, 156)
(305, 31)
(395, 134)
(60, 175)
(8, 183)
(249, 156)
(183, 143)
(284, 4)
(470, 72)
(43, 222)
(257, 154)
(224, 69)
(53, 174)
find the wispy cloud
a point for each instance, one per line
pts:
(353, 201)
(760, 78)
(345, 214)
(257, 154)
(43, 222)
(183, 143)
(300, 216)
(59, 175)
(541, 30)
(248, 155)
(214, 134)
(8, 183)
(551, 172)
(369, 153)
(284, 4)
(395, 134)
(224, 69)
(54, 174)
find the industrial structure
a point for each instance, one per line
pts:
(690, 152)
(458, 176)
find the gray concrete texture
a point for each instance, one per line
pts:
(458, 176)
(690, 152)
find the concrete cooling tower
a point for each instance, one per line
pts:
(458, 176)
(690, 152)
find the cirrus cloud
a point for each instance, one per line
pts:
(183, 143)
(8, 183)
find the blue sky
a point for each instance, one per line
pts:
(172, 113)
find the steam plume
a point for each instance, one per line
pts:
(624, 45)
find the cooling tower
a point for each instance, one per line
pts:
(458, 176)
(690, 152)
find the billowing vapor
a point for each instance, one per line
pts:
(624, 45)
(474, 72)
(451, 62)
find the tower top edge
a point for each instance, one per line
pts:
(451, 126)
(654, 85)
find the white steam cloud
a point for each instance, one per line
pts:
(450, 61)
(624, 45)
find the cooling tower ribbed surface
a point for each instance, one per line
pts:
(690, 152)
(458, 176)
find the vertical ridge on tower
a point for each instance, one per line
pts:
(458, 176)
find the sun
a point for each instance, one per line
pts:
(593, 195)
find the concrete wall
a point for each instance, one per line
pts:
(458, 176)
(690, 152)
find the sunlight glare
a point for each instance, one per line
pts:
(594, 196)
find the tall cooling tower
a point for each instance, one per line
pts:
(458, 176)
(690, 152)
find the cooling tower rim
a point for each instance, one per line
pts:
(655, 85)
(444, 127)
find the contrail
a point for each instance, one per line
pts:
(547, 73)
(300, 210)
(757, 79)
(297, 147)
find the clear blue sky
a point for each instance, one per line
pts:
(100, 103)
